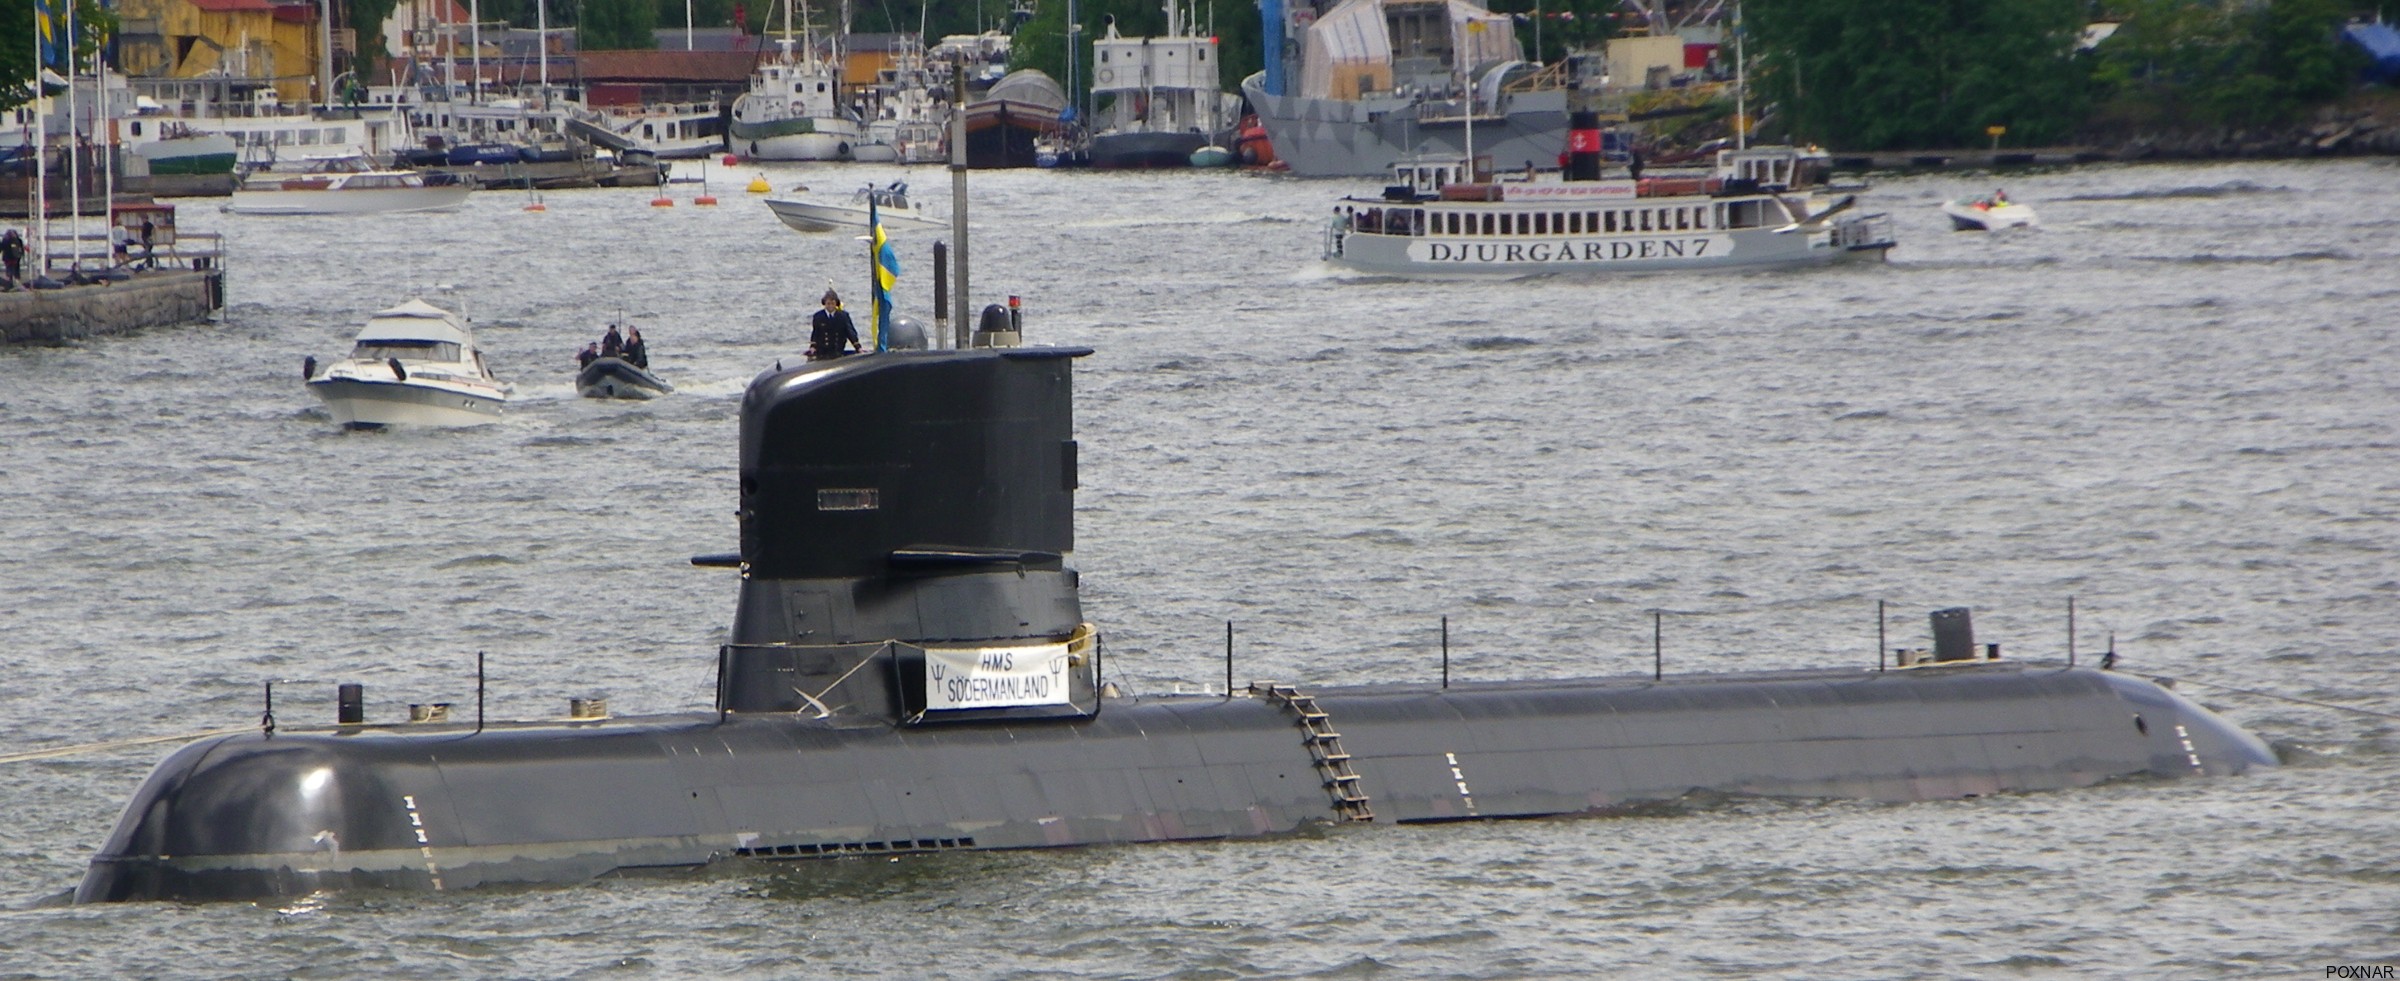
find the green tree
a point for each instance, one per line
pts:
(2206, 63)
(1896, 74)
(16, 54)
(612, 25)
(94, 25)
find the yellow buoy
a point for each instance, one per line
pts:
(758, 185)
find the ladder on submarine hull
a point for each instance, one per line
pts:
(1324, 749)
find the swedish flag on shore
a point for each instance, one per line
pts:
(50, 36)
(887, 272)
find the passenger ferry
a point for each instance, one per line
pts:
(1755, 209)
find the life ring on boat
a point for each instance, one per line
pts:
(841, 151)
(398, 373)
(1108, 75)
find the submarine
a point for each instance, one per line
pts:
(910, 670)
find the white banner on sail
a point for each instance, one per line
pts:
(995, 677)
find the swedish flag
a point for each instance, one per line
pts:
(46, 28)
(887, 272)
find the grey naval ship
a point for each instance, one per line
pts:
(910, 670)
(1352, 87)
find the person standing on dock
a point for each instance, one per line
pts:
(12, 252)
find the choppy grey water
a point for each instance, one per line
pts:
(2177, 403)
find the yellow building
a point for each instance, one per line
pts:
(229, 39)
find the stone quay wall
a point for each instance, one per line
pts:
(150, 299)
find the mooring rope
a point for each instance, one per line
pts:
(77, 750)
(2290, 698)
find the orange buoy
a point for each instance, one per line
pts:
(537, 206)
(730, 160)
(705, 199)
(662, 201)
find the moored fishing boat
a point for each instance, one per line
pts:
(1755, 209)
(1013, 119)
(415, 364)
(793, 108)
(1164, 105)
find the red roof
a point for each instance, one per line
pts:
(666, 66)
(232, 6)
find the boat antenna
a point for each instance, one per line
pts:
(1741, 87)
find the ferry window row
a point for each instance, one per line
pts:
(1614, 221)
(334, 136)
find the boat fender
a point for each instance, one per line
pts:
(842, 150)
(308, 368)
(398, 373)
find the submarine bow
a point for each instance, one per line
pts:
(909, 670)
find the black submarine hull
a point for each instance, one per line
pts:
(423, 807)
(909, 669)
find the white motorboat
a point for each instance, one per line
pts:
(415, 364)
(891, 207)
(1758, 208)
(343, 185)
(1989, 214)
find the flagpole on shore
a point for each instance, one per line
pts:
(74, 145)
(41, 144)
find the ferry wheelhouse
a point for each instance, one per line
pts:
(1756, 208)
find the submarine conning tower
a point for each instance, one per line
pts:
(906, 525)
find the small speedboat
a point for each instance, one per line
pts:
(1989, 214)
(415, 364)
(617, 378)
(891, 208)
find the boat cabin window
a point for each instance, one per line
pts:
(1741, 214)
(405, 350)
